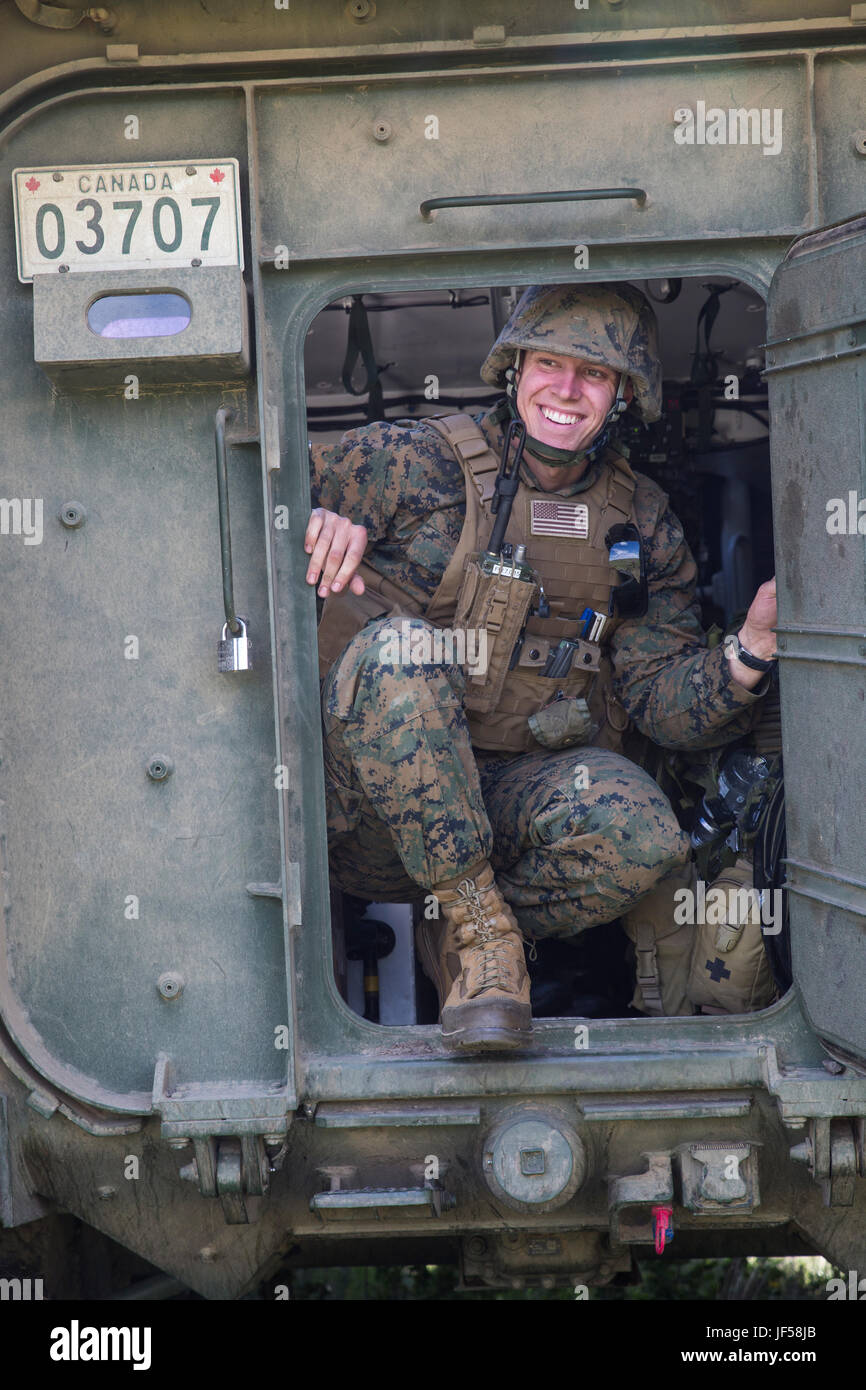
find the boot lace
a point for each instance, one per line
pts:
(491, 967)
(478, 926)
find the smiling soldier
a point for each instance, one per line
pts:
(504, 796)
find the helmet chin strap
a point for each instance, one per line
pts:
(548, 454)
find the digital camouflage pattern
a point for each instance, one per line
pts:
(401, 481)
(613, 325)
(573, 836)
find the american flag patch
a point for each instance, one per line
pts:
(559, 519)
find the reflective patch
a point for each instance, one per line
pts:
(559, 519)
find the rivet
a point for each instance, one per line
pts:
(57, 177)
(62, 269)
(105, 1194)
(170, 984)
(159, 768)
(196, 260)
(360, 10)
(534, 654)
(72, 515)
(190, 169)
(858, 140)
(382, 130)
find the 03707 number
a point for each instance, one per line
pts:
(166, 219)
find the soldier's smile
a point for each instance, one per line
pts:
(559, 417)
(564, 400)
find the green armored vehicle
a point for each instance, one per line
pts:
(219, 226)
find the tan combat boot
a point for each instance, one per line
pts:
(474, 956)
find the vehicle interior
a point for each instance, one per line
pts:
(402, 356)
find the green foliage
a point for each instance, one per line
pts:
(664, 1279)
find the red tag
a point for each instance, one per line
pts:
(663, 1226)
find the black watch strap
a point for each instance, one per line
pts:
(740, 653)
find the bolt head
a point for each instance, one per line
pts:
(170, 984)
(72, 515)
(159, 767)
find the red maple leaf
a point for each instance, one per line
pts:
(217, 176)
(32, 183)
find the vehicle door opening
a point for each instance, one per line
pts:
(404, 356)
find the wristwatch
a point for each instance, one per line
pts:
(734, 649)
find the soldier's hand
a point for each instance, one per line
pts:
(336, 548)
(757, 634)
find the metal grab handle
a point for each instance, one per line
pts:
(499, 199)
(223, 415)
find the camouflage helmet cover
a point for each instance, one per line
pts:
(613, 325)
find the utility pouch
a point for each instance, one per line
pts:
(495, 597)
(663, 947)
(563, 723)
(730, 973)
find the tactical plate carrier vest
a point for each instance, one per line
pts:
(564, 540)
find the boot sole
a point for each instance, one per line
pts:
(486, 1028)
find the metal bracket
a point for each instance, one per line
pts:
(833, 1153)
(238, 1136)
(719, 1178)
(381, 1203)
(231, 1169)
(632, 1197)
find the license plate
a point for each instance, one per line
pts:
(127, 216)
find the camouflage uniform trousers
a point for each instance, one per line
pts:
(575, 836)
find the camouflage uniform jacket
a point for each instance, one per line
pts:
(400, 480)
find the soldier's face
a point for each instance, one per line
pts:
(563, 401)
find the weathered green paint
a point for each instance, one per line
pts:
(231, 871)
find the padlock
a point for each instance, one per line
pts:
(233, 653)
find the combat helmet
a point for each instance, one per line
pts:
(613, 325)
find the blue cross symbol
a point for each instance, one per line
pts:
(717, 970)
